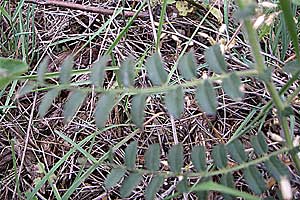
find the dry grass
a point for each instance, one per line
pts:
(35, 140)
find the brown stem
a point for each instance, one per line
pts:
(75, 6)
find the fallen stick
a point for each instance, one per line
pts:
(76, 6)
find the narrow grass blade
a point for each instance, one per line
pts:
(187, 66)
(206, 97)
(114, 177)
(237, 151)
(130, 155)
(199, 158)
(219, 154)
(153, 187)
(152, 157)
(175, 102)
(47, 101)
(103, 108)
(156, 72)
(175, 158)
(215, 59)
(232, 86)
(66, 70)
(254, 180)
(98, 71)
(74, 102)
(137, 110)
(127, 72)
(129, 184)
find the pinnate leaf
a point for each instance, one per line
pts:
(98, 71)
(129, 184)
(74, 102)
(232, 86)
(137, 109)
(47, 101)
(215, 59)
(187, 66)
(175, 158)
(103, 108)
(130, 155)
(152, 157)
(156, 72)
(153, 187)
(114, 177)
(206, 97)
(175, 102)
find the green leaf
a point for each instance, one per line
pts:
(297, 2)
(42, 69)
(29, 87)
(174, 102)
(66, 70)
(114, 177)
(175, 158)
(152, 157)
(10, 69)
(47, 101)
(98, 71)
(156, 72)
(219, 155)
(130, 155)
(237, 151)
(74, 102)
(182, 186)
(232, 86)
(187, 66)
(227, 180)
(215, 59)
(137, 109)
(248, 11)
(254, 179)
(127, 72)
(153, 187)
(276, 168)
(292, 67)
(129, 184)
(206, 97)
(199, 158)
(203, 194)
(103, 108)
(259, 144)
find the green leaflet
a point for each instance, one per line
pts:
(127, 72)
(227, 180)
(130, 155)
(237, 151)
(137, 110)
(66, 70)
(10, 69)
(98, 71)
(259, 144)
(297, 2)
(219, 155)
(47, 101)
(74, 102)
(175, 102)
(129, 184)
(152, 157)
(156, 72)
(42, 69)
(232, 86)
(175, 158)
(276, 168)
(153, 187)
(206, 97)
(215, 59)
(187, 66)
(26, 89)
(199, 158)
(182, 186)
(292, 67)
(114, 177)
(103, 108)
(254, 179)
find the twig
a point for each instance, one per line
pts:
(76, 6)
